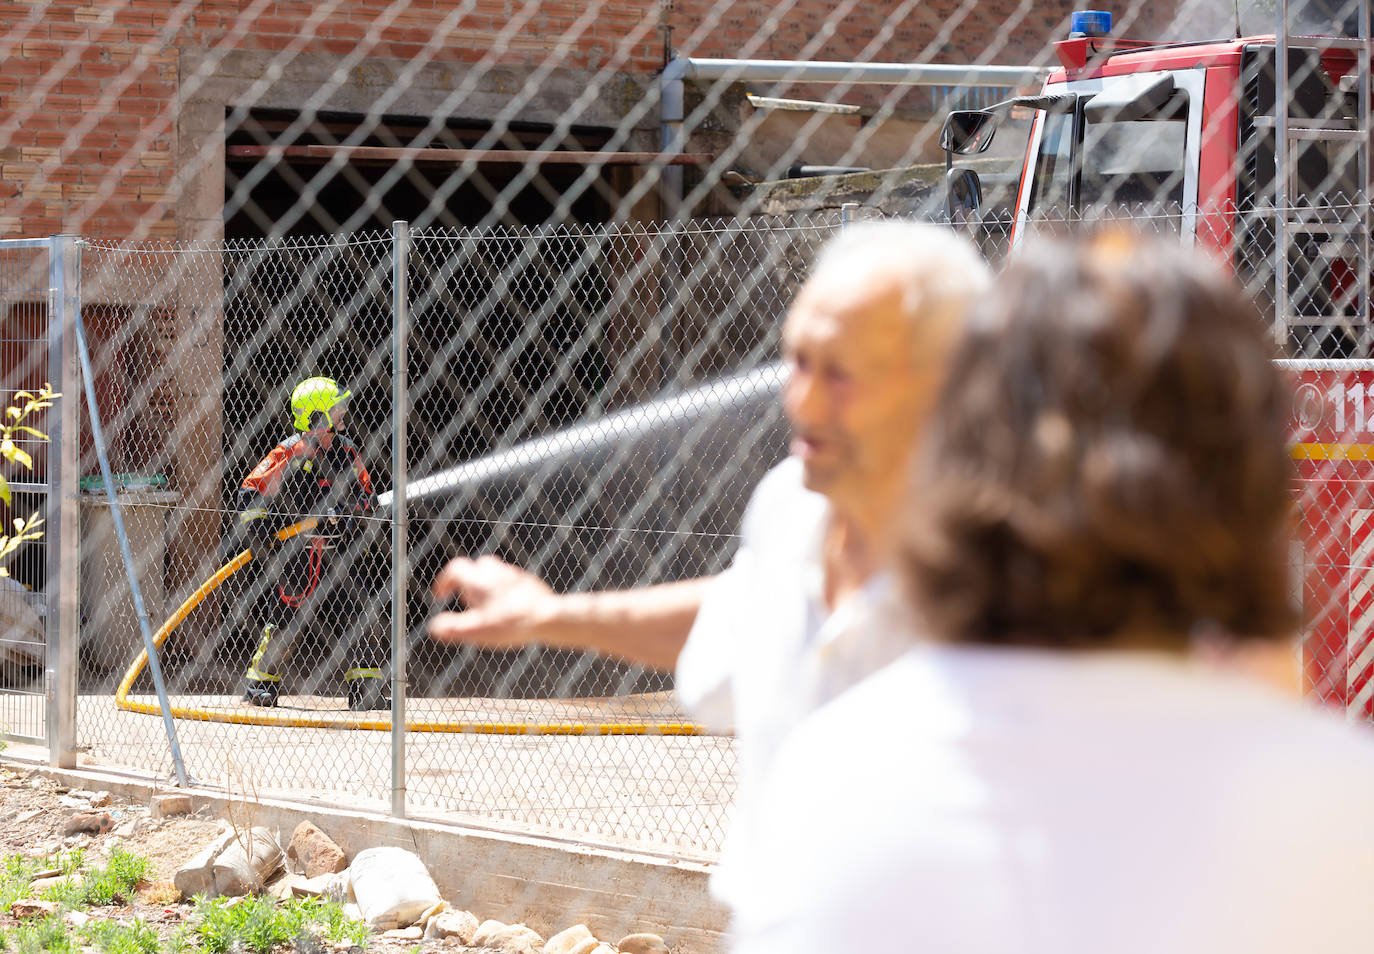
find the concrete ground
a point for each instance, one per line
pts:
(662, 795)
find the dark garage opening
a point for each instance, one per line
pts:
(261, 192)
(308, 307)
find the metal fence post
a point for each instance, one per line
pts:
(400, 320)
(62, 519)
(126, 552)
(848, 212)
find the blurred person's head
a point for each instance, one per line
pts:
(866, 342)
(1106, 464)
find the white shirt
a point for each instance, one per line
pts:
(1028, 802)
(765, 650)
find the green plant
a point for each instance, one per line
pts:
(17, 871)
(118, 879)
(182, 940)
(47, 935)
(14, 879)
(13, 427)
(70, 863)
(101, 886)
(258, 925)
(110, 937)
(329, 917)
(251, 924)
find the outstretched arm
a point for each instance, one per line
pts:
(507, 607)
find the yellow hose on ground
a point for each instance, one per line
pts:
(272, 717)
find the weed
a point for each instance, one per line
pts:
(14, 879)
(252, 924)
(112, 938)
(164, 893)
(17, 871)
(72, 862)
(47, 935)
(101, 886)
(243, 812)
(182, 940)
(318, 916)
(214, 923)
(118, 879)
(258, 925)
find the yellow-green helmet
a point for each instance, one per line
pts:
(315, 395)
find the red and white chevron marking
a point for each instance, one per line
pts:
(1359, 672)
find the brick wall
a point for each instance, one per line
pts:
(935, 31)
(89, 91)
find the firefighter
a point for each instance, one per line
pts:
(325, 579)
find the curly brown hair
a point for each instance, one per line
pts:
(1107, 463)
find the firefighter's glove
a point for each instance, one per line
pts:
(333, 528)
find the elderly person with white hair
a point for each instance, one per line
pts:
(865, 343)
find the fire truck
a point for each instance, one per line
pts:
(1254, 149)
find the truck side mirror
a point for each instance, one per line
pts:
(964, 193)
(968, 131)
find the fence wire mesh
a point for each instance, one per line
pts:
(610, 208)
(23, 637)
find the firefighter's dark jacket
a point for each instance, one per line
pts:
(298, 480)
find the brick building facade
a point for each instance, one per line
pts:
(113, 112)
(151, 120)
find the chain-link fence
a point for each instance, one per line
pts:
(566, 349)
(592, 404)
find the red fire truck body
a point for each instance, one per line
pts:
(1333, 450)
(1187, 137)
(1197, 158)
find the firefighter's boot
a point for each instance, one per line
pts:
(367, 690)
(261, 692)
(261, 688)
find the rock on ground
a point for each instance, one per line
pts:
(333, 887)
(642, 944)
(247, 863)
(32, 907)
(314, 852)
(197, 876)
(514, 938)
(393, 888)
(164, 806)
(457, 924)
(569, 939)
(93, 823)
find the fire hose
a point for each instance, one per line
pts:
(277, 718)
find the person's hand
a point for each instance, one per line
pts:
(504, 605)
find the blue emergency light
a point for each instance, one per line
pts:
(1089, 23)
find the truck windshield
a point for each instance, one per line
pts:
(1124, 163)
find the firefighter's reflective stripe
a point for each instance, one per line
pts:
(354, 675)
(253, 671)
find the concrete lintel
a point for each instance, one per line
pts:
(547, 884)
(268, 80)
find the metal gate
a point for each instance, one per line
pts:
(38, 624)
